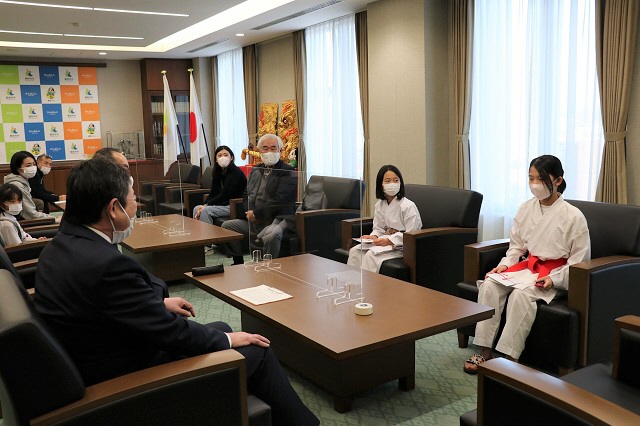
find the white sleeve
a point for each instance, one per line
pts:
(411, 221)
(580, 251)
(378, 221)
(9, 234)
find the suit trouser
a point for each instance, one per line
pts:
(521, 313)
(271, 240)
(211, 213)
(267, 381)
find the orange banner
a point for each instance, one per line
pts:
(69, 94)
(87, 75)
(72, 130)
(90, 112)
(91, 146)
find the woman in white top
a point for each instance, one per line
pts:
(11, 205)
(394, 215)
(554, 235)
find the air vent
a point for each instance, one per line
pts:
(222, 40)
(295, 15)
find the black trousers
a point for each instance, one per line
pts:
(267, 381)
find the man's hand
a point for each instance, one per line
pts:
(179, 306)
(241, 338)
(250, 216)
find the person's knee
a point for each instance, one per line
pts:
(221, 326)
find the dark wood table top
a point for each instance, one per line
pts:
(402, 311)
(160, 234)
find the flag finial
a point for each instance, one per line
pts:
(163, 71)
(190, 70)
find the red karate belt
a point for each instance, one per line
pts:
(534, 264)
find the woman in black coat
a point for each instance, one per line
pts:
(228, 182)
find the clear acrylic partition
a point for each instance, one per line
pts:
(340, 287)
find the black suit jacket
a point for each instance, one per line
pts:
(37, 188)
(108, 312)
(280, 191)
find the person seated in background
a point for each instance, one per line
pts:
(553, 235)
(113, 317)
(270, 192)
(394, 214)
(113, 154)
(38, 192)
(11, 206)
(23, 167)
(228, 182)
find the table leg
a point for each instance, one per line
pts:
(342, 404)
(407, 383)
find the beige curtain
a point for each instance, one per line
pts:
(250, 91)
(461, 36)
(299, 71)
(362, 50)
(616, 30)
(214, 106)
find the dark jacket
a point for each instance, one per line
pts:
(230, 184)
(280, 192)
(38, 191)
(108, 312)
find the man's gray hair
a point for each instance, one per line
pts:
(270, 136)
(44, 157)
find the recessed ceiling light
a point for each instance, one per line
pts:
(29, 33)
(240, 34)
(69, 35)
(102, 53)
(97, 9)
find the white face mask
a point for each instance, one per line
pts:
(131, 181)
(390, 189)
(45, 170)
(540, 191)
(270, 158)
(14, 209)
(224, 161)
(29, 172)
(120, 236)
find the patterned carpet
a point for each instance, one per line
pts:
(443, 391)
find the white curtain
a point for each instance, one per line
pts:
(535, 92)
(231, 117)
(334, 139)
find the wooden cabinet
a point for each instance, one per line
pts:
(153, 101)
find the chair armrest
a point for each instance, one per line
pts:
(25, 264)
(48, 231)
(626, 350)
(483, 253)
(236, 208)
(435, 256)
(163, 378)
(37, 222)
(318, 229)
(27, 250)
(562, 395)
(348, 226)
(600, 290)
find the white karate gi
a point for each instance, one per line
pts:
(548, 232)
(400, 215)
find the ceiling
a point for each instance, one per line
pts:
(212, 23)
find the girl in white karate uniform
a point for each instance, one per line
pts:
(555, 235)
(394, 215)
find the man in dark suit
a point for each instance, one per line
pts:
(268, 199)
(37, 183)
(113, 317)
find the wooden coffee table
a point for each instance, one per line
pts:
(168, 255)
(342, 352)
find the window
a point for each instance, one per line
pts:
(231, 115)
(334, 139)
(535, 92)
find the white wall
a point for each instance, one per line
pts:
(120, 94)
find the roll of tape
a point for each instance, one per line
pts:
(364, 309)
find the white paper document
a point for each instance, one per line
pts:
(517, 279)
(261, 294)
(363, 240)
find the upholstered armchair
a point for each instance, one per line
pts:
(152, 192)
(191, 196)
(575, 328)
(511, 393)
(41, 385)
(432, 256)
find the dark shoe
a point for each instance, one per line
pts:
(238, 260)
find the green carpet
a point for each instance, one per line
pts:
(443, 391)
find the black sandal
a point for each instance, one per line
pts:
(474, 362)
